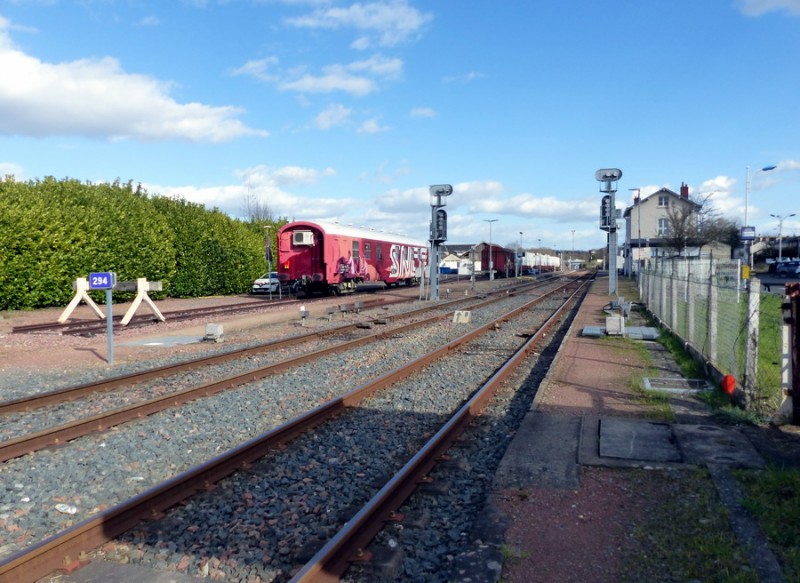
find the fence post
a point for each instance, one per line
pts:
(713, 302)
(673, 296)
(690, 333)
(789, 409)
(749, 385)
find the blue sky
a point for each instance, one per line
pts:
(351, 110)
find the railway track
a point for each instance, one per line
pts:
(63, 433)
(91, 327)
(34, 401)
(52, 553)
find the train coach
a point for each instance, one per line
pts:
(502, 259)
(330, 258)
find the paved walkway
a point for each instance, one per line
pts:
(588, 413)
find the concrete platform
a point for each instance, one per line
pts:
(544, 453)
(615, 442)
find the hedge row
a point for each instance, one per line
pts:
(55, 231)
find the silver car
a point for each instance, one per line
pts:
(266, 284)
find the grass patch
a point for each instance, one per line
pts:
(773, 497)
(726, 413)
(512, 554)
(686, 537)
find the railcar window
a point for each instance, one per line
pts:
(379, 252)
(367, 250)
(355, 250)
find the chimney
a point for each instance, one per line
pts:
(684, 190)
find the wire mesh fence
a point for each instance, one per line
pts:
(736, 327)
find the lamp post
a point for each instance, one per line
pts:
(780, 233)
(519, 255)
(750, 234)
(491, 263)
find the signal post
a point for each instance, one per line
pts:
(438, 194)
(608, 177)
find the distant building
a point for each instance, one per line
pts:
(647, 226)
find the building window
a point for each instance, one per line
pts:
(663, 200)
(663, 227)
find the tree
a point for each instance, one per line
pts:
(256, 210)
(698, 224)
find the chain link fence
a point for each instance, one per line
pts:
(737, 328)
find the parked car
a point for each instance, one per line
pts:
(788, 269)
(266, 284)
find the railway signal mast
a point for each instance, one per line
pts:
(438, 192)
(608, 177)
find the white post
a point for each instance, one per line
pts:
(142, 287)
(751, 347)
(81, 286)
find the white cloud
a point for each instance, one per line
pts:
(150, 21)
(391, 22)
(258, 69)
(335, 78)
(383, 175)
(465, 78)
(267, 185)
(334, 115)
(372, 126)
(97, 98)
(759, 7)
(423, 112)
(11, 169)
(356, 78)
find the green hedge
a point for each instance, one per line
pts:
(55, 231)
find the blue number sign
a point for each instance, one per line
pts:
(102, 280)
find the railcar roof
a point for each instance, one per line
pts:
(333, 228)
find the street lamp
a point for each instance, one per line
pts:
(519, 255)
(780, 233)
(749, 255)
(491, 264)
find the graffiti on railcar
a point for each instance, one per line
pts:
(405, 261)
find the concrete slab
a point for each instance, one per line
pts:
(638, 440)
(677, 385)
(641, 332)
(106, 572)
(543, 454)
(704, 444)
(593, 331)
(615, 442)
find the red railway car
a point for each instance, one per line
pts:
(331, 258)
(502, 258)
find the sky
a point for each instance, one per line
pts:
(350, 111)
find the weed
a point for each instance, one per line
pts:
(773, 497)
(512, 554)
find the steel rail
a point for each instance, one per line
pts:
(348, 545)
(71, 393)
(82, 326)
(61, 434)
(67, 548)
